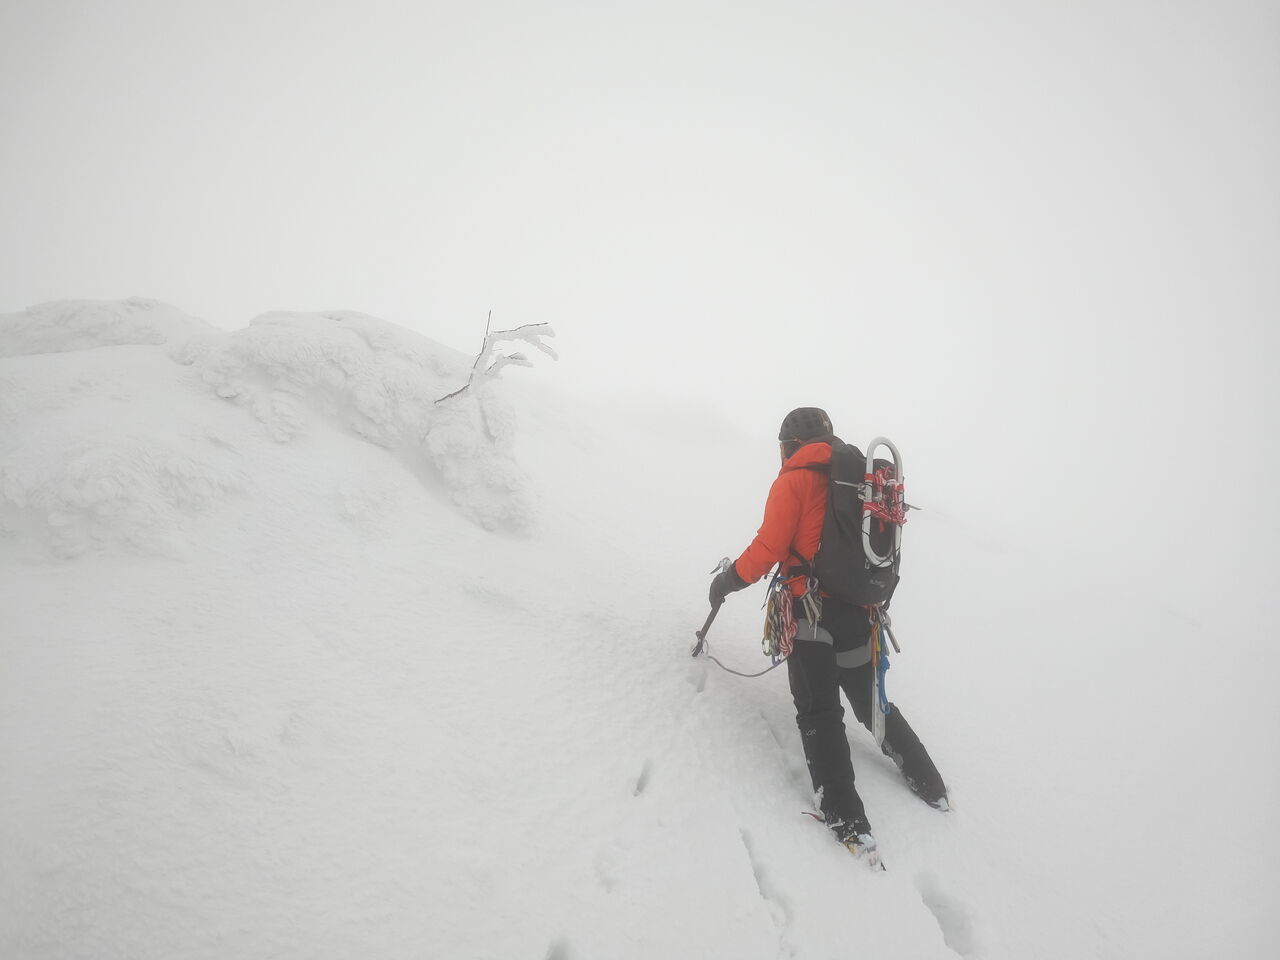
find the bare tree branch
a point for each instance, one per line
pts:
(531, 333)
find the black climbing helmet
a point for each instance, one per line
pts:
(805, 423)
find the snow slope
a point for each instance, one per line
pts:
(297, 663)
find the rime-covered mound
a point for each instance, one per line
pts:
(66, 325)
(369, 376)
(380, 382)
(128, 445)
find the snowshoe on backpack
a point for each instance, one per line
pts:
(860, 551)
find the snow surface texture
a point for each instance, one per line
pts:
(69, 325)
(279, 681)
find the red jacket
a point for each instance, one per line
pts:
(792, 517)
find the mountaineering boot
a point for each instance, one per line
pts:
(933, 793)
(863, 847)
(855, 836)
(857, 839)
(849, 831)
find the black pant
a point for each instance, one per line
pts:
(817, 678)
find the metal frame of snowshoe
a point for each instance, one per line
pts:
(869, 494)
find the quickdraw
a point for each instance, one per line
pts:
(779, 621)
(882, 667)
(880, 704)
(780, 626)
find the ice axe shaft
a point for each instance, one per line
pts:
(702, 634)
(715, 608)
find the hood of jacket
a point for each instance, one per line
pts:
(814, 454)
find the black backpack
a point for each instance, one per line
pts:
(860, 553)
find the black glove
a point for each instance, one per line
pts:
(726, 582)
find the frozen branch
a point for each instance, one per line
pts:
(531, 333)
(511, 360)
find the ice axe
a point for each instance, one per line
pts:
(715, 608)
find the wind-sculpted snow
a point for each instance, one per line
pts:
(122, 424)
(379, 381)
(470, 442)
(106, 448)
(137, 490)
(288, 368)
(68, 325)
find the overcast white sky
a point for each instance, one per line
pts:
(1051, 230)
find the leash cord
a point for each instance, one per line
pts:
(738, 673)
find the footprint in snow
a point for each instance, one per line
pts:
(642, 780)
(953, 916)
